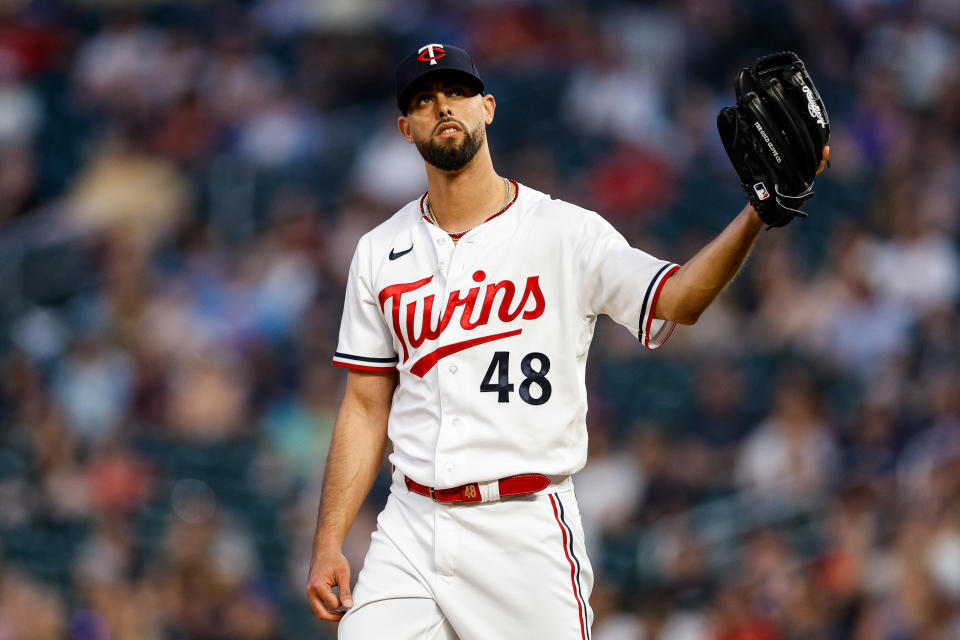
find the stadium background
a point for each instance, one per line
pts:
(181, 189)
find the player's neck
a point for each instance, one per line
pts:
(466, 198)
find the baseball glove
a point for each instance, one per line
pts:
(775, 136)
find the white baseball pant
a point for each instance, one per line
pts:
(514, 568)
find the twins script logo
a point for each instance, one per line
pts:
(406, 309)
(431, 53)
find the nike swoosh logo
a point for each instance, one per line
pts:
(399, 254)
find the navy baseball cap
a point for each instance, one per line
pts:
(430, 59)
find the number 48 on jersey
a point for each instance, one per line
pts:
(534, 367)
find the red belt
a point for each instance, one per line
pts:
(519, 485)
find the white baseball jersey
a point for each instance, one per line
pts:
(490, 336)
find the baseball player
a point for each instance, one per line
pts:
(467, 320)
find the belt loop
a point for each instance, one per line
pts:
(489, 491)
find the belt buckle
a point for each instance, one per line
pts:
(433, 496)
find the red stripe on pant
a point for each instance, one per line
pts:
(573, 569)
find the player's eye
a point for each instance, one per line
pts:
(422, 99)
(457, 91)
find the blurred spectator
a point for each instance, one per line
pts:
(117, 69)
(238, 80)
(919, 267)
(188, 132)
(927, 465)
(622, 93)
(736, 620)
(611, 622)
(387, 168)
(281, 132)
(208, 396)
(17, 180)
(29, 611)
(126, 193)
(720, 416)
(791, 456)
(608, 463)
(21, 115)
(298, 428)
(859, 328)
(92, 386)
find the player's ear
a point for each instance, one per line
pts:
(404, 125)
(490, 106)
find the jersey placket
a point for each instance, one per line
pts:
(447, 269)
(445, 534)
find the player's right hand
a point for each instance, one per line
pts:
(329, 568)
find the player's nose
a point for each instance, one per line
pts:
(443, 104)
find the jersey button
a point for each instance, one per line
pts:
(452, 368)
(456, 422)
(451, 467)
(441, 240)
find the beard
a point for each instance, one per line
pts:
(452, 157)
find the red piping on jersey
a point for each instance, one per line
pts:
(457, 236)
(361, 367)
(653, 307)
(573, 569)
(426, 363)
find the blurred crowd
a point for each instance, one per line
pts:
(181, 189)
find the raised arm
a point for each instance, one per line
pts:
(690, 290)
(359, 441)
(694, 286)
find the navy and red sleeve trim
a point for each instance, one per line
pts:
(647, 310)
(364, 363)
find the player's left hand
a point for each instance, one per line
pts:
(776, 136)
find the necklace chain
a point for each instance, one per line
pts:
(457, 234)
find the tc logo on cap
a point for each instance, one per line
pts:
(431, 53)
